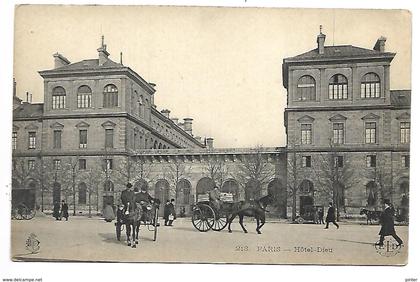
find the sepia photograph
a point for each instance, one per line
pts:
(215, 135)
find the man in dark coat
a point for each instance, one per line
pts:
(56, 211)
(64, 210)
(169, 212)
(331, 216)
(119, 223)
(387, 222)
(320, 212)
(128, 198)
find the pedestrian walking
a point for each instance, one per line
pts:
(64, 210)
(172, 215)
(387, 224)
(320, 212)
(331, 216)
(56, 210)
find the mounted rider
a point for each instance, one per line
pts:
(143, 197)
(128, 198)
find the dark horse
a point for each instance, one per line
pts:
(256, 209)
(370, 215)
(132, 224)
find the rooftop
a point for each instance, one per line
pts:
(340, 51)
(27, 110)
(90, 64)
(400, 97)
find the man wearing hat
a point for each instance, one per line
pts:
(128, 198)
(387, 224)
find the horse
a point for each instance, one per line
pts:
(256, 209)
(147, 214)
(132, 223)
(370, 215)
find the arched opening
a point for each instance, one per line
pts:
(252, 190)
(183, 194)
(306, 198)
(110, 96)
(108, 194)
(279, 193)
(231, 186)
(162, 192)
(371, 194)
(204, 185)
(82, 192)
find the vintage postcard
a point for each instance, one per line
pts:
(211, 135)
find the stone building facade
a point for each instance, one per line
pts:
(348, 134)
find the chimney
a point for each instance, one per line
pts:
(102, 53)
(175, 120)
(209, 143)
(321, 41)
(165, 112)
(188, 125)
(60, 60)
(380, 44)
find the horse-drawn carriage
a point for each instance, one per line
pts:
(145, 214)
(21, 211)
(209, 214)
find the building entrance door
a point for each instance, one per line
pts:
(306, 207)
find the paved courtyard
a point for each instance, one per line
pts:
(93, 239)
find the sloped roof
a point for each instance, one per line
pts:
(340, 51)
(400, 97)
(91, 64)
(27, 110)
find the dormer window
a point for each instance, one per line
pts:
(110, 96)
(370, 86)
(306, 88)
(338, 87)
(58, 98)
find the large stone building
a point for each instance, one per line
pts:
(98, 128)
(348, 134)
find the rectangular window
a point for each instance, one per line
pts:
(306, 133)
(405, 161)
(371, 161)
(108, 164)
(31, 164)
(32, 140)
(339, 161)
(84, 100)
(82, 163)
(338, 133)
(57, 164)
(83, 138)
(14, 140)
(58, 101)
(306, 161)
(57, 139)
(405, 132)
(109, 138)
(370, 132)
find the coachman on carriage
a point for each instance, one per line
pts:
(138, 208)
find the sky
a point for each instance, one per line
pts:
(219, 66)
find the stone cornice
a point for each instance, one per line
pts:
(346, 108)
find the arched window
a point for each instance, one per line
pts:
(306, 88)
(306, 186)
(58, 98)
(108, 186)
(84, 97)
(110, 96)
(337, 88)
(370, 86)
(82, 193)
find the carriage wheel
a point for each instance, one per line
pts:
(221, 221)
(203, 217)
(28, 213)
(300, 220)
(18, 214)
